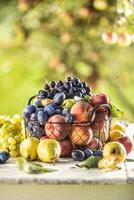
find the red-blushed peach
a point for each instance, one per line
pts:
(57, 128)
(66, 148)
(80, 111)
(81, 135)
(94, 145)
(127, 143)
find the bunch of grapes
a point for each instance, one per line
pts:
(71, 88)
(11, 134)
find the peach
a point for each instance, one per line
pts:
(127, 143)
(81, 135)
(115, 135)
(80, 111)
(94, 145)
(57, 128)
(66, 148)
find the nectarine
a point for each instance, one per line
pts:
(57, 128)
(81, 135)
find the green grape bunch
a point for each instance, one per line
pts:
(11, 134)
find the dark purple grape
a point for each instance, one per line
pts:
(87, 90)
(42, 117)
(50, 95)
(47, 87)
(28, 111)
(67, 86)
(69, 118)
(39, 109)
(50, 110)
(61, 88)
(78, 94)
(69, 78)
(65, 112)
(79, 85)
(88, 153)
(98, 153)
(37, 103)
(84, 84)
(53, 84)
(42, 93)
(33, 117)
(78, 155)
(58, 112)
(59, 98)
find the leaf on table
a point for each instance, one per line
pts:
(91, 162)
(31, 167)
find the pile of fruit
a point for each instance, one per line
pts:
(11, 134)
(66, 120)
(66, 111)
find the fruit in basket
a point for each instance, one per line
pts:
(81, 135)
(94, 144)
(46, 102)
(66, 147)
(28, 111)
(28, 148)
(127, 143)
(114, 153)
(49, 150)
(49, 110)
(42, 117)
(59, 98)
(57, 128)
(68, 103)
(99, 99)
(80, 111)
(115, 135)
(118, 126)
(78, 155)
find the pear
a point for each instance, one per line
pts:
(28, 148)
(49, 150)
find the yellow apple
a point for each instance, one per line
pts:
(118, 126)
(49, 150)
(115, 135)
(28, 148)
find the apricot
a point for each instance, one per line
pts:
(57, 128)
(81, 135)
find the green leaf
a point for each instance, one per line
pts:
(32, 168)
(115, 111)
(91, 162)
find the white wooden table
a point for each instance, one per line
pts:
(67, 183)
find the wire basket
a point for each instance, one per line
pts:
(77, 135)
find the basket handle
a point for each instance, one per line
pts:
(100, 106)
(30, 99)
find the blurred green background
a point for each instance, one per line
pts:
(48, 39)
